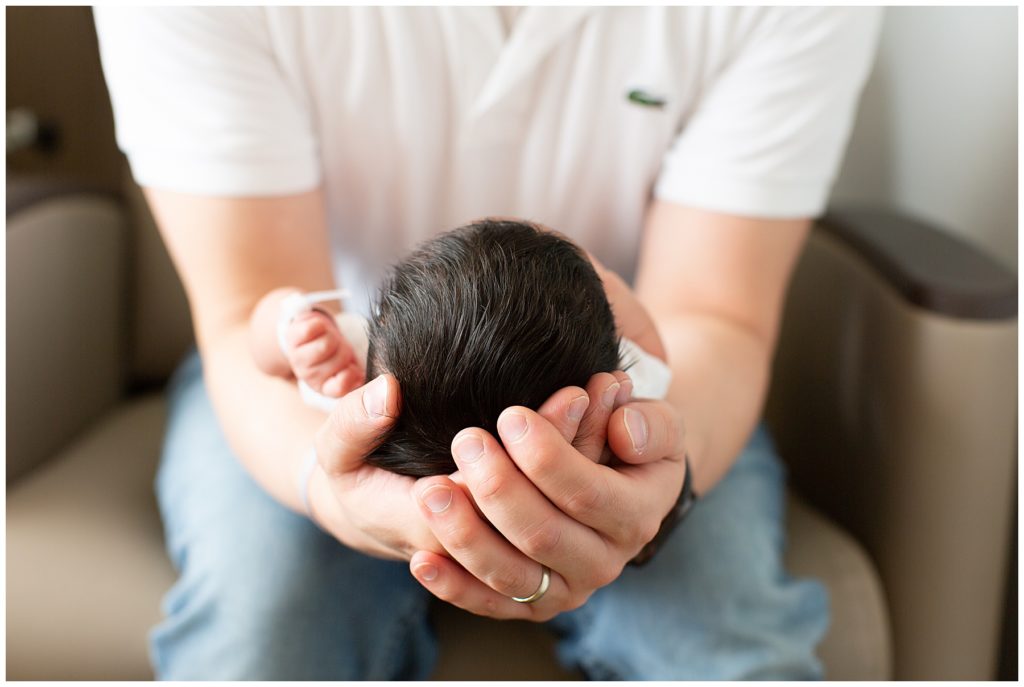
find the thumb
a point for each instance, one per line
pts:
(644, 431)
(357, 425)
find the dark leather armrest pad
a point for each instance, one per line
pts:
(929, 267)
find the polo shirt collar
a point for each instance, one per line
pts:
(536, 32)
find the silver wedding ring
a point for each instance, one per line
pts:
(545, 582)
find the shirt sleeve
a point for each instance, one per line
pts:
(767, 137)
(200, 103)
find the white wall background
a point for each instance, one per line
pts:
(936, 134)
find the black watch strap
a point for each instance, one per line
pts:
(687, 497)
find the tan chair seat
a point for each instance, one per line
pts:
(86, 566)
(83, 536)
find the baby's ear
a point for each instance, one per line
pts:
(631, 318)
(612, 282)
(598, 267)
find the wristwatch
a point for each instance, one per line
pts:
(687, 498)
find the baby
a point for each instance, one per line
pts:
(490, 315)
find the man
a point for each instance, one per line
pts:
(686, 148)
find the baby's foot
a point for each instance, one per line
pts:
(320, 356)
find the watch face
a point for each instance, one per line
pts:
(685, 505)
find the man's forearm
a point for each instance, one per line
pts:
(714, 284)
(263, 418)
(231, 252)
(263, 343)
(271, 431)
(720, 373)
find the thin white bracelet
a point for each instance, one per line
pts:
(302, 484)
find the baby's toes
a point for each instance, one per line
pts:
(305, 327)
(312, 354)
(332, 387)
(349, 379)
(345, 355)
(311, 376)
(352, 377)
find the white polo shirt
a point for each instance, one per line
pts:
(416, 120)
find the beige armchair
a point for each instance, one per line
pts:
(893, 402)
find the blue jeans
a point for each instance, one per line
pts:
(264, 594)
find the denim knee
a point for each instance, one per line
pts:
(291, 609)
(716, 602)
(263, 593)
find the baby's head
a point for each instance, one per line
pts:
(490, 315)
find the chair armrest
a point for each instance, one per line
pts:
(65, 302)
(928, 267)
(894, 403)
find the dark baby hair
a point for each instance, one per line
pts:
(490, 315)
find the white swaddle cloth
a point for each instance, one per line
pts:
(651, 377)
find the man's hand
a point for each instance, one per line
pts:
(550, 501)
(363, 506)
(713, 284)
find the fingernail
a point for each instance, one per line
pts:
(636, 428)
(469, 449)
(608, 398)
(512, 426)
(625, 391)
(437, 498)
(375, 397)
(425, 571)
(577, 407)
